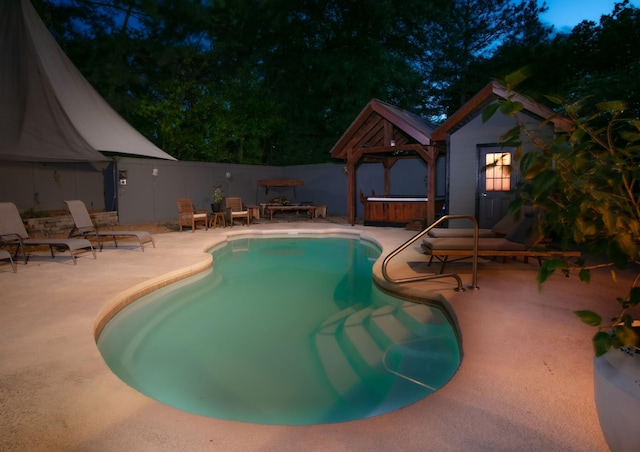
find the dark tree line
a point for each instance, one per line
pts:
(278, 81)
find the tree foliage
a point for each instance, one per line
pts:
(595, 62)
(583, 183)
(466, 39)
(278, 81)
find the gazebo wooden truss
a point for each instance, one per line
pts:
(385, 134)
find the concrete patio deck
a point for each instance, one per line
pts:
(525, 382)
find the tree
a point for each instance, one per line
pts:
(595, 62)
(468, 34)
(603, 59)
(325, 60)
(278, 82)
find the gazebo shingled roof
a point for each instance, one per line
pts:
(384, 133)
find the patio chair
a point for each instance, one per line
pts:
(83, 227)
(520, 241)
(4, 255)
(188, 216)
(13, 233)
(235, 209)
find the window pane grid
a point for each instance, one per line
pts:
(498, 176)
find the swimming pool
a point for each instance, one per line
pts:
(282, 330)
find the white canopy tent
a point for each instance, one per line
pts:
(48, 110)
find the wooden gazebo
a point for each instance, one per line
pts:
(385, 134)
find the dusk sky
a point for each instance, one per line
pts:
(569, 13)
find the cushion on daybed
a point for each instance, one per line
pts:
(466, 243)
(460, 232)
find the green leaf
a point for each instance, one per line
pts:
(511, 108)
(511, 136)
(589, 317)
(630, 136)
(626, 335)
(601, 343)
(627, 320)
(488, 112)
(516, 77)
(548, 267)
(557, 100)
(612, 106)
(634, 296)
(585, 275)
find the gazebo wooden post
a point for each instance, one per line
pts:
(428, 154)
(431, 191)
(351, 186)
(387, 177)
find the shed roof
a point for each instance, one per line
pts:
(486, 96)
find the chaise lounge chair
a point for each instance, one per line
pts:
(13, 233)
(500, 229)
(235, 209)
(188, 216)
(520, 241)
(83, 227)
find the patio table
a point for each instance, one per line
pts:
(273, 209)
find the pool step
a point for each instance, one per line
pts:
(407, 321)
(419, 314)
(359, 337)
(337, 367)
(385, 323)
(352, 343)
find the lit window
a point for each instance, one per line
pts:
(498, 174)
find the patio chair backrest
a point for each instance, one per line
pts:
(80, 215)
(185, 206)
(234, 203)
(11, 221)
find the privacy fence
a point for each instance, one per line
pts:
(146, 190)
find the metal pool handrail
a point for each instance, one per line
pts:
(405, 245)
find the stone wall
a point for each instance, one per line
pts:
(64, 223)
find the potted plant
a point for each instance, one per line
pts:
(586, 185)
(216, 199)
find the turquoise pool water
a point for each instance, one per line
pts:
(282, 331)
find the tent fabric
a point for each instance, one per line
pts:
(49, 111)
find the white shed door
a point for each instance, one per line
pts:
(495, 181)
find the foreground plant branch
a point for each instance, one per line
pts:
(583, 183)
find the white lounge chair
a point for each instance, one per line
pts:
(84, 227)
(13, 233)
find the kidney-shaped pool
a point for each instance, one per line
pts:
(282, 330)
